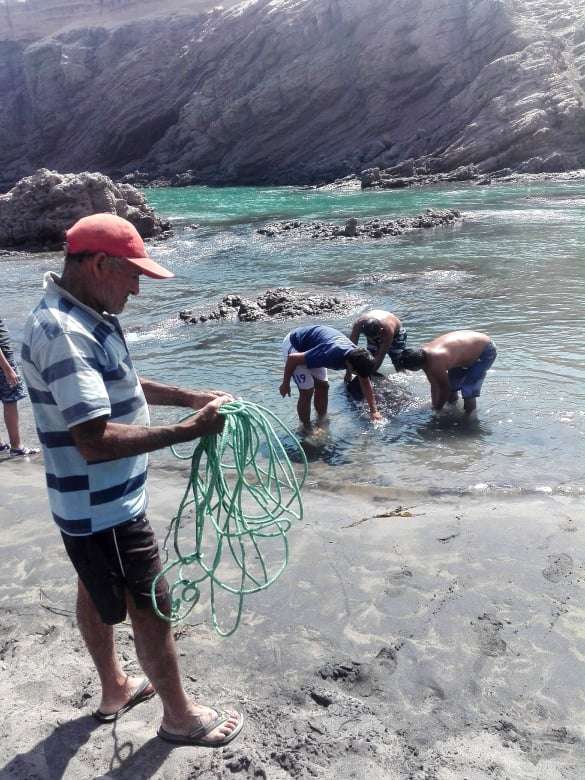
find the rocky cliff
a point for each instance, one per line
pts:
(281, 91)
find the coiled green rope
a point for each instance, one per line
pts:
(242, 492)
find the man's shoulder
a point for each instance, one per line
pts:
(55, 329)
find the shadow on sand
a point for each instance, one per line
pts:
(50, 757)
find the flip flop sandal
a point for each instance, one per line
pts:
(196, 737)
(140, 694)
(20, 451)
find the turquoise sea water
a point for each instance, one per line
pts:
(513, 268)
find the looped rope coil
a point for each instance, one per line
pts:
(242, 494)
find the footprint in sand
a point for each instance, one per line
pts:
(396, 582)
(487, 628)
(559, 567)
(364, 678)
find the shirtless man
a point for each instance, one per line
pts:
(384, 335)
(456, 361)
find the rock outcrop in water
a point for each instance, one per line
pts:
(293, 91)
(38, 210)
(280, 303)
(374, 228)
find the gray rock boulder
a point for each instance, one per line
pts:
(351, 227)
(374, 228)
(37, 211)
(278, 303)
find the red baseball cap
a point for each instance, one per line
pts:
(117, 238)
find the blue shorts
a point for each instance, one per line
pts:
(395, 350)
(469, 379)
(8, 393)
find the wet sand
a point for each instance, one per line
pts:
(445, 643)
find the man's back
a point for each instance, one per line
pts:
(454, 349)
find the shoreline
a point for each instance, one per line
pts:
(321, 478)
(445, 641)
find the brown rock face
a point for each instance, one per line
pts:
(39, 209)
(302, 91)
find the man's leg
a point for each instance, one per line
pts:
(321, 397)
(469, 404)
(117, 687)
(12, 426)
(304, 407)
(453, 396)
(156, 651)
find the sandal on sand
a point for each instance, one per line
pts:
(4, 447)
(17, 452)
(140, 694)
(197, 736)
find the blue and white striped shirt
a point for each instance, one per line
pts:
(77, 368)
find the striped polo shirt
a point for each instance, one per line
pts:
(77, 368)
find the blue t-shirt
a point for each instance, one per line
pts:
(324, 347)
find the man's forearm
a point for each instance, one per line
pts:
(379, 359)
(368, 392)
(4, 364)
(292, 361)
(439, 396)
(109, 441)
(158, 394)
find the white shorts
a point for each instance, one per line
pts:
(304, 377)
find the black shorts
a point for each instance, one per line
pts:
(120, 559)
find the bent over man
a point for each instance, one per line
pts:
(308, 352)
(91, 411)
(384, 334)
(455, 362)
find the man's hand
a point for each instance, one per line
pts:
(208, 421)
(285, 389)
(347, 376)
(11, 375)
(202, 397)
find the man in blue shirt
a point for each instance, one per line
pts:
(308, 353)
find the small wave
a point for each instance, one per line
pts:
(437, 278)
(524, 216)
(161, 331)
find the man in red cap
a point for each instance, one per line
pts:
(91, 411)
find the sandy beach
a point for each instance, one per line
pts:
(444, 643)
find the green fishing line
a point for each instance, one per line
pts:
(241, 498)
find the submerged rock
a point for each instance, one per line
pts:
(375, 228)
(37, 211)
(281, 303)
